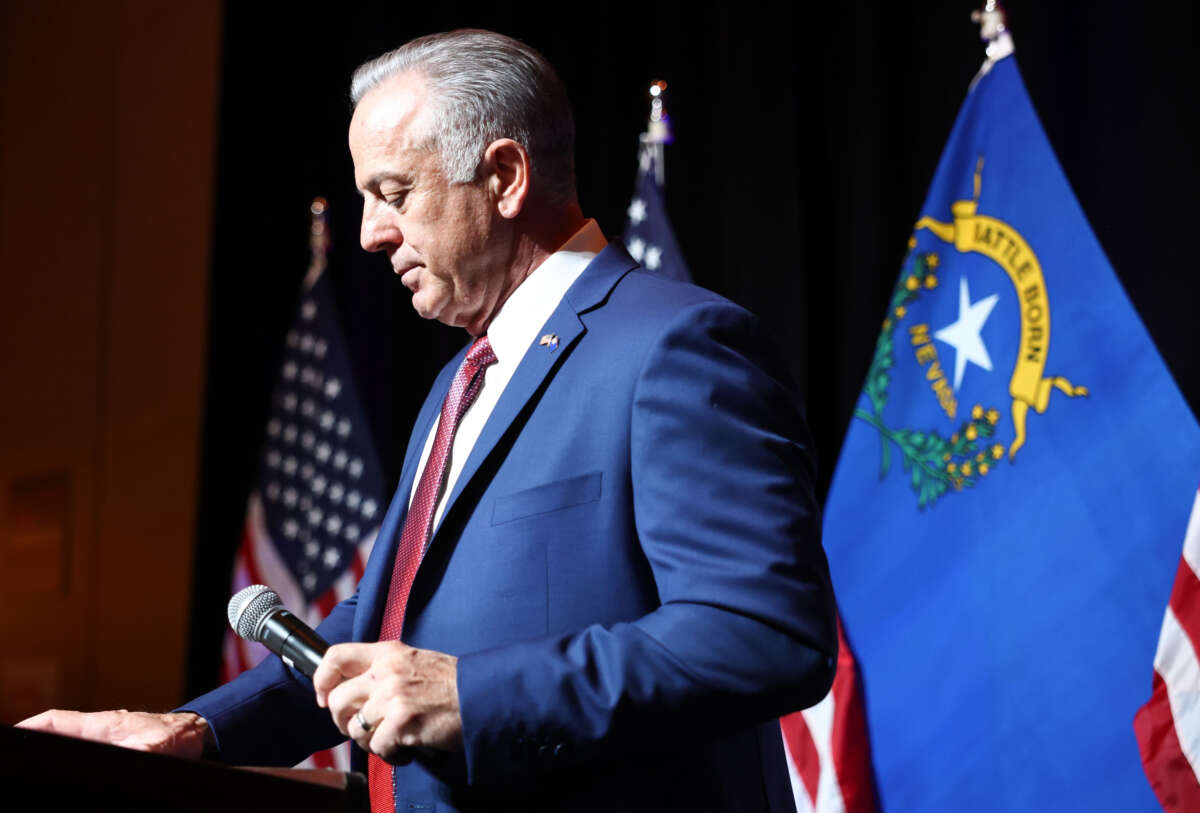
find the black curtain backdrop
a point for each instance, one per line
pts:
(805, 141)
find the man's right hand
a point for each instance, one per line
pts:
(180, 734)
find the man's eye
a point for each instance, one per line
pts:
(396, 200)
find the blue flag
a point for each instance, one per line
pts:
(1005, 517)
(648, 235)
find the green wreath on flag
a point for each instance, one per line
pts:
(935, 463)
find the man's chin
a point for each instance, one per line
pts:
(424, 308)
(441, 312)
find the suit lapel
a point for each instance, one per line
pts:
(588, 292)
(540, 361)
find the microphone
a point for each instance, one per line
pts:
(256, 613)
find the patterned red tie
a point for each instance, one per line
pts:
(466, 385)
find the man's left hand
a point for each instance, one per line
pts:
(408, 697)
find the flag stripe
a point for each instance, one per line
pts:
(1167, 769)
(821, 720)
(326, 603)
(1181, 673)
(802, 753)
(1185, 602)
(851, 745)
(828, 747)
(266, 564)
(1168, 726)
(323, 760)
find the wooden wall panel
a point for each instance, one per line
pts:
(107, 130)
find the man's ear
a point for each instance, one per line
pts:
(506, 171)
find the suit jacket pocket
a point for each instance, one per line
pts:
(547, 497)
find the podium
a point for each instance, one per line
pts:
(49, 772)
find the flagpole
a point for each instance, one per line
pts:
(993, 29)
(658, 129)
(318, 241)
(648, 234)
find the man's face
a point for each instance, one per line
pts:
(441, 238)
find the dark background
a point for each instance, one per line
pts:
(805, 141)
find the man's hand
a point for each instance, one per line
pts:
(408, 697)
(181, 734)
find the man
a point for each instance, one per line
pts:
(608, 494)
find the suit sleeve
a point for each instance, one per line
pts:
(268, 715)
(725, 511)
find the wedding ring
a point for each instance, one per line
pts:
(362, 721)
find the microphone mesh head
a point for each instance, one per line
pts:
(248, 607)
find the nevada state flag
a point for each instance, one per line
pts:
(1005, 519)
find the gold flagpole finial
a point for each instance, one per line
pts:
(658, 128)
(658, 131)
(318, 241)
(993, 29)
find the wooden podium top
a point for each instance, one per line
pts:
(51, 772)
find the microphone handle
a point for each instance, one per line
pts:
(293, 640)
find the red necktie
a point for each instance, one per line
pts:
(466, 385)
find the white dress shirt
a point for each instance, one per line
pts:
(512, 331)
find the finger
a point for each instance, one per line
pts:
(391, 738)
(340, 663)
(360, 733)
(58, 721)
(346, 698)
(41, 722)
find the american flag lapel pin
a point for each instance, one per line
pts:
(549, 340)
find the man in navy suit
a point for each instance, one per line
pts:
(618, 581)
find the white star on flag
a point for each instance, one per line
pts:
(964, 336)
(637, 247)
(653, 257)
(636, 211)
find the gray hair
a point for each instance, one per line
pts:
(486, 86)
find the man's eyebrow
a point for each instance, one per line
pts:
(377, 179)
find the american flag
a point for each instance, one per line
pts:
(648, 235)
(1168, 726)
(828, 750)
(318, 499)
(827, 747)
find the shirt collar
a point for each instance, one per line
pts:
(528, 307)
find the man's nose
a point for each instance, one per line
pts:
(377, 232)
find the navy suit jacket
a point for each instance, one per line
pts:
(629, 570)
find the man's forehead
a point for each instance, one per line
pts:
(391, 109)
